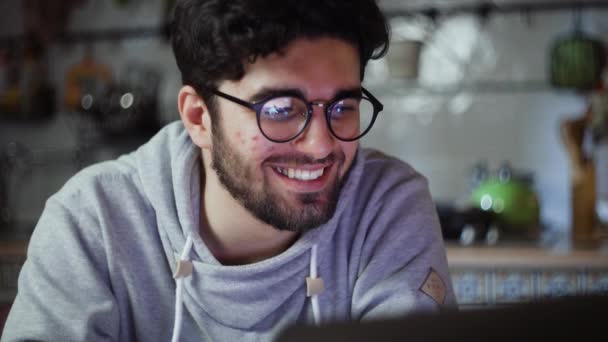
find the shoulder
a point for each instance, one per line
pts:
(378, 162)
(386, 196)
(115, 179)
(102, 180)
(392, 202)
(385, 178)
(77, 218)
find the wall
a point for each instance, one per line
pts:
(442, 135)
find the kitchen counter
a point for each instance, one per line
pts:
(517, 256)
(481, 275)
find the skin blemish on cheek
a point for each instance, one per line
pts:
(258, 146)
(269, 149)
(254, 141)
(238, 136)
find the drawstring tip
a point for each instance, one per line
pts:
(183, 269)
(314, 286)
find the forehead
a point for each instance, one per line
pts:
(317, 67)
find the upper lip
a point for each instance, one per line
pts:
(310, 167)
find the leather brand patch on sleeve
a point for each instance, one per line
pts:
(434, 286)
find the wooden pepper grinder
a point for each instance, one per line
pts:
(583, 178)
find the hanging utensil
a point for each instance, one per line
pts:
(577, 59)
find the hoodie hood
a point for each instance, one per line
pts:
(243, 296)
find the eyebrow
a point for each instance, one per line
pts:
(266, 93)
(352, 92)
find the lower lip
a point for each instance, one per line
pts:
(307, 186)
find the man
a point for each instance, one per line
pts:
(258, 210)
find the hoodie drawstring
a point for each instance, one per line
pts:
(183, 270)
(314, 286)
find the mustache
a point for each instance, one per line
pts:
(300, 158)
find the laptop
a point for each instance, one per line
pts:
(579, 318)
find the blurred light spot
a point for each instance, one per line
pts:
(486, 202)
(493, 235)
(87, 101)
(408, 29)
(467, 236)
(460, 103)
(126, 100)
(499, 205)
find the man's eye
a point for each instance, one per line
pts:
(343, 108)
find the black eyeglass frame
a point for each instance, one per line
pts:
(257, 107)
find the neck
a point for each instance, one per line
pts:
(232, 234)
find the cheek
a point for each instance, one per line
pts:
(245, 132)
(254, 143)
(246, 139)
(238, 137)
(263, 147)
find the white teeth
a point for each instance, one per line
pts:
(301, 174)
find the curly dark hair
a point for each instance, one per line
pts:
(212, 39)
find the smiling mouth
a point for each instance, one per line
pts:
(299, 174)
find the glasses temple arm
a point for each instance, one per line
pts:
(374, 100)
(234, 99)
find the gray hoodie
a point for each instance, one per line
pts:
(100, 263)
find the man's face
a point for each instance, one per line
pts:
(294, 185)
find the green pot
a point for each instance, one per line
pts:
(513, 202)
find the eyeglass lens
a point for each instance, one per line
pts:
(283, 118)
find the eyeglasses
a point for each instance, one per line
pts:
(282, 117)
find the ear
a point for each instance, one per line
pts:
(195, 116)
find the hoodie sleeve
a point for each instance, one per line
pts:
(402, 266)
(64, 292)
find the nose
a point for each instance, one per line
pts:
(316, 140)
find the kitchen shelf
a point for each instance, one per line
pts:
(522, 257)
(485, 8)
(409, 88)
(88, 36)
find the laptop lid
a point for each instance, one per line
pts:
(582, 318)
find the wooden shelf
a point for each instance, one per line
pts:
(16, 248)
(89, 36)
(405, 88)
(527, 257)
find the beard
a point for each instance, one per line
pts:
(309, 211)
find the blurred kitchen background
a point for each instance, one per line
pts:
(500, 104)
